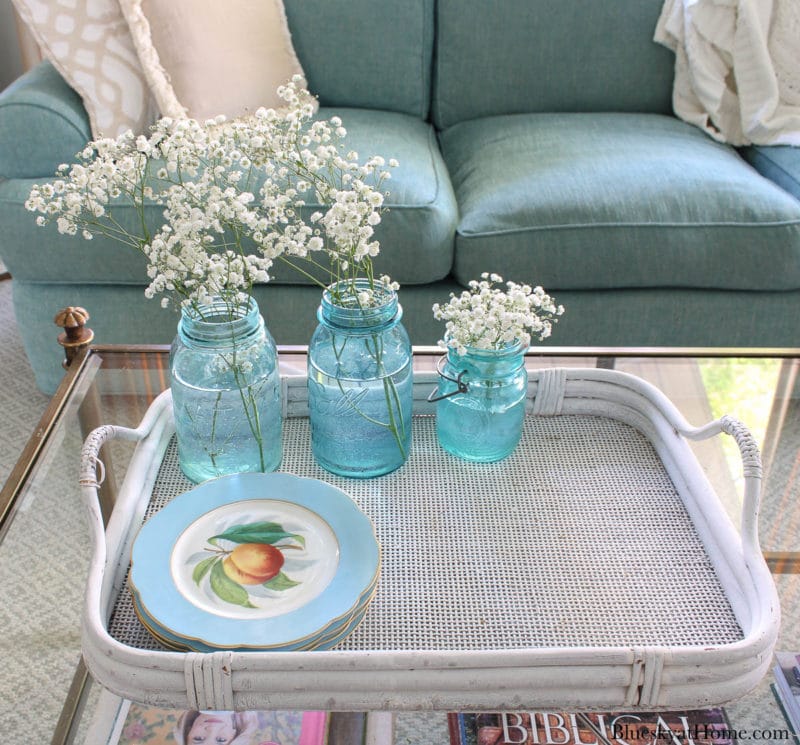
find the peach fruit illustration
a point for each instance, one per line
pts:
(253, 563)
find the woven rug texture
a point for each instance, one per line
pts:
(21, 402)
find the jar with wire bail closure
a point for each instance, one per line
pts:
(480, 402)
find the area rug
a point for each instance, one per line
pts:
(21, 402)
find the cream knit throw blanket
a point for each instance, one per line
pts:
(737, 67)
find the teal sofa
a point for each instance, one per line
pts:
(536, 139)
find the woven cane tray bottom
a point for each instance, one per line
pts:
(598, 552)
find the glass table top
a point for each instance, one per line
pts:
(44, 549)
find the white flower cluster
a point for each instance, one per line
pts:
(367, 294)
(486, 317)
(233, 195)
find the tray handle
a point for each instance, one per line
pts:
(92, 475)
(92, 471)
(751, 456)
(752, 470)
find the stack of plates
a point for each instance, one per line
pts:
(255, 561)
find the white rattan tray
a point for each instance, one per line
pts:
(594, 568)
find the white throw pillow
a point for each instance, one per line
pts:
(88, 42)
(203, 58)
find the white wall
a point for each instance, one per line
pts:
(10, 58)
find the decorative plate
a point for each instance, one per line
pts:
(254, 560)
(325, 639)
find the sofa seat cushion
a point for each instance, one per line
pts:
(416, 234)
(591, 201)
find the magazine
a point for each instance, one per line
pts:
(121, 722)
(691, 727)
(787, 687)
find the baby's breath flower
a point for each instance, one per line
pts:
(486, 317)
(219, 184)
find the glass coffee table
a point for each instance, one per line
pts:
(44, 553)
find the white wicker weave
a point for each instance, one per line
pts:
(593, 569)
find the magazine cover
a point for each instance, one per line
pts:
(699, 727)
(782, 706)
(132, 724)
(787, 687)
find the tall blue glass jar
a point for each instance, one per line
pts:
(360, 385)
(481, 406)
(226, 392)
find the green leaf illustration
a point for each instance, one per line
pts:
(201, 570)
(228, 590)
(280, 582)
(257, 533)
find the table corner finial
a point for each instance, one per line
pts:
(76, 336)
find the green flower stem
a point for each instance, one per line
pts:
(212, 454)
(390, 393)
(254, 419)
(306, 274)
(248, 400)
(389, 389)
(211, 450)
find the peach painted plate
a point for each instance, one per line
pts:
(328, 637)
(254, 561)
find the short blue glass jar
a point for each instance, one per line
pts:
(360, 387)
(226, 392)
(481, 402)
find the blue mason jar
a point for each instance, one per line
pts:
(481, 402)
(360, 385)
(226, 393)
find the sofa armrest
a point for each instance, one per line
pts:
(43, 123)
(779, 163)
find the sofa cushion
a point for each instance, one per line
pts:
(581, 201)
(416, 233)
(780, 164)
(365, 54)
(43, 123)
(529, 56)
(203, 58)
(120, 314)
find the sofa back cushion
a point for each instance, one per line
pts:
(532, 56)
(365, 54)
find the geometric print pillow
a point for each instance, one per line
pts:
(89, 43)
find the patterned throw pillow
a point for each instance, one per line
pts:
(89, 43)
(206, 57)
